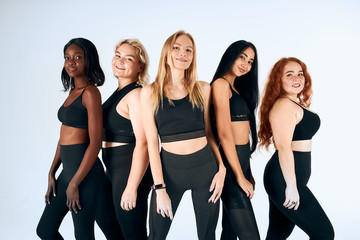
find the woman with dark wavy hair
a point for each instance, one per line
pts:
(82, 176)
(287, 122)
(235, 98)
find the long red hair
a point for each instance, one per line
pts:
(273, 90)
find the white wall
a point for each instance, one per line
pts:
(324, 34)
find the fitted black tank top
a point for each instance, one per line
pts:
(308, 125)
(179, 121)
(75, 114)
(116, 127)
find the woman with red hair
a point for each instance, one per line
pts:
(286, 121)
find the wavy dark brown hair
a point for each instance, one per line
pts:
(273, 91)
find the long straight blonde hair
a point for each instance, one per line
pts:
(164, 75)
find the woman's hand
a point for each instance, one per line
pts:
(128, 199)
(51, 188)
(252, 181)
(292, 197)
(217, 185)
(163, 204)
(246, 186)
(72, 202)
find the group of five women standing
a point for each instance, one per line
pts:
(206, 134)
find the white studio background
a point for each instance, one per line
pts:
(324, 34)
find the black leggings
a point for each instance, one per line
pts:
(310, 217)
(238, 215)
(105, 216)
(183, 172)
(54, 213)
(118, 163)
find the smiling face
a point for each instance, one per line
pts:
(182, 53)
(293, 79)
(125, 63)
(243, 63)
(74, 61)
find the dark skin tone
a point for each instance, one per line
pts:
(91, 99)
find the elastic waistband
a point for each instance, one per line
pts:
(198, 158)
(183, 136)
(122, 138)
(79, 145)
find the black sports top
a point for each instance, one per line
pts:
(179, 121)
(239, 109)
(75, 114)
(308, 125)
(116, 128)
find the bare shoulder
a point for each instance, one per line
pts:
(91, 91)
(283, 108)
(220, 83)
(205, 87)
(146, 91)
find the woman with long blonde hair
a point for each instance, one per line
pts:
(176, 108)
(287, 122)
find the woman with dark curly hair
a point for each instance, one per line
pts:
(287, 122)
(82, 176)
(234, 100)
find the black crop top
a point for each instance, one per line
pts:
(75, 114)
(239, 109)
(308, 125)
(179, 121)
(116, 127)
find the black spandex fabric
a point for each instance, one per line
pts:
(239, 109)
(118, 163)
(308, 126)
(75, 114)
(187, 172)
(179, 120)
(105, 216)
(54, 213)
(116, 127)
(238, 216)
(310, 216)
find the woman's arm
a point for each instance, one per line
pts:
(163, 201)
(220, 99)
(92, 101)
(283, 119)
(218, 180)
(140, 160)
(51, 177)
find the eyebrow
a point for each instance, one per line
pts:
(129, 55)
(181, 45)
(66, 53)
(291, 71)
(247, 56)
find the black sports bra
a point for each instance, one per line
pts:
(239, 109)
(75, 114)
(179, 121)
(308, 125)
(116, 128)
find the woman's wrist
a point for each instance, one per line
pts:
(158, 186)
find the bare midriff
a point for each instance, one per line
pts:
(112, 144)
(185, 147)
(71, 135)
(301, 145)
(240, 131)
